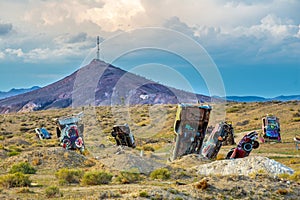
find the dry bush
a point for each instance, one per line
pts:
(96, 178)
(68, 176)
(282, 191)
(126, 177)
(52, 191)
(15, 180)
(162, 174)
(23, 167)
(202, 184)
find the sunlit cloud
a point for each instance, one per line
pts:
(114, 15)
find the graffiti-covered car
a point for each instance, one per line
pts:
(245, 146)
(70, 132)
(215, 140)
(271, 128)
(190, 127)
(123, 136)
(42, 133)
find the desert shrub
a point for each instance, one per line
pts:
(25, 190)
(295, 176)
(24, 129)
(148, 148)
(23, 167)
(68, 176)
(232, 109)
(126, 177)
(52, 191)
(13, 153)
(282, 191)
(296, 119)
(220, 156)
(109, 195)
(297, 114)
(162, 174)
(144, 194)
(243, 123)
(202, 184)
(36, 161)
(96, 178)
(15, 180)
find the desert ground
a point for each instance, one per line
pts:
(105, 171)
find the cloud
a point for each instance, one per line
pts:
(80, 37)
(63, 28)
(5, 28)
(113, 15)
(2, 55)
(16, 52)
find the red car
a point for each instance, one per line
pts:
(245, 146)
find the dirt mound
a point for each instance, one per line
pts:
(51, 158)
(190, 160)
(244, 166)
(123, 159)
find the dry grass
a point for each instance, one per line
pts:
(152, 126)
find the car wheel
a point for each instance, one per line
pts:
(247, 146)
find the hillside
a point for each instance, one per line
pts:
(14, 92)
(152, 126)
(262, 99)
(98, 83)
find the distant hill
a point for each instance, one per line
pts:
(14, 92)
(98, 83)
(262, 99)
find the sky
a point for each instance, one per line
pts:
(254, 45)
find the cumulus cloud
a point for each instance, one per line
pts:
(5, 28)
(2, 55)
(16, 52)
(240, 27)
(114, 15)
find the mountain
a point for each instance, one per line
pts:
(245, 98)
(262, 99)
(14, 92)
(98, 83)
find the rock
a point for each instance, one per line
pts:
(244, 166)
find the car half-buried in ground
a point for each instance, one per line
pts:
(123, 136)
(245, 146)
(215, 140)
(42, 133)
(271, 128)
(190, 128)
(70, 132)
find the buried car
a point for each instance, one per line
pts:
(271, 128)
(42, 133)
(190, 128)
(245, 146)
(123, 136)
(215, 140)
(70, 132)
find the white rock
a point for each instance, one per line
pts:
(244, 166)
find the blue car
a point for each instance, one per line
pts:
(271, 128)
(42, 133)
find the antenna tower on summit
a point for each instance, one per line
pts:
(98, 48)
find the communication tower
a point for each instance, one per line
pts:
(98, 48)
